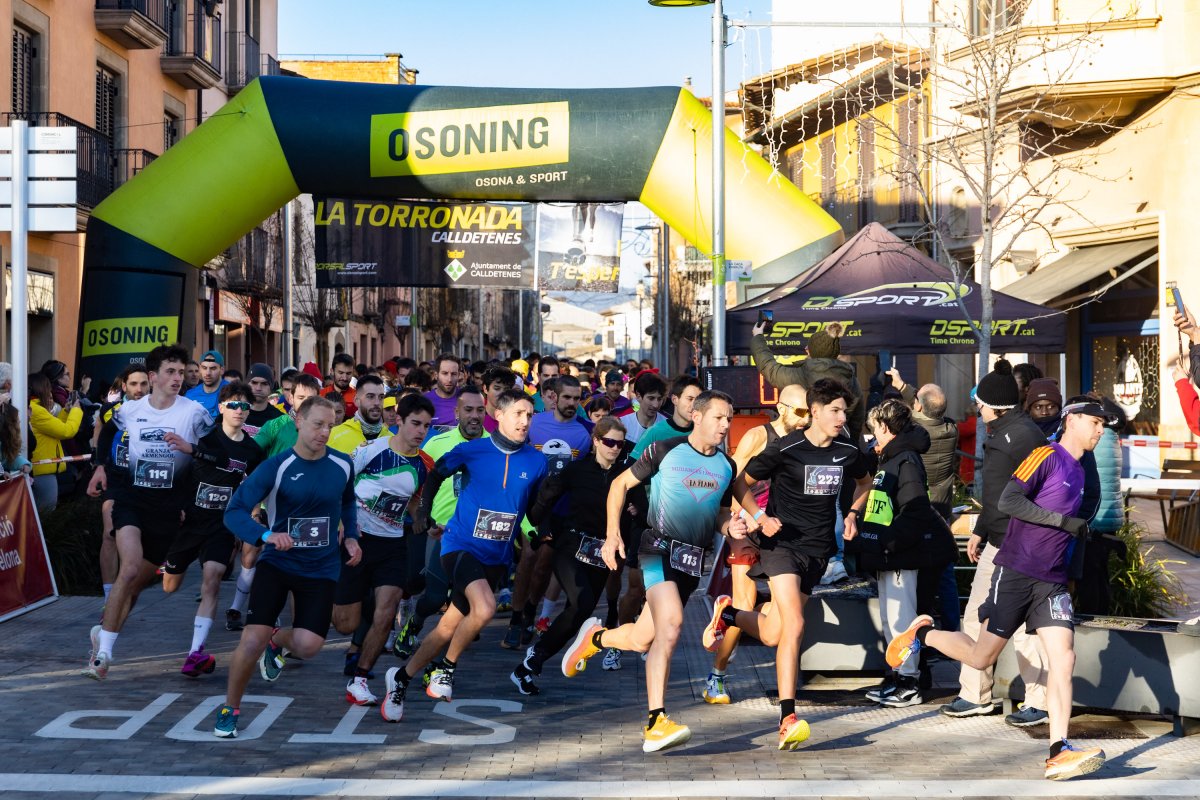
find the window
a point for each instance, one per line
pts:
(24, 70)
(106, 102)
(828, 168)
(172, 130)
(995, 15)
(866, 169)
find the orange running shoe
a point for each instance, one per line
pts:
(904, 645)
(792, 732)
(1071, 763)
(575, 659)
(715, 632)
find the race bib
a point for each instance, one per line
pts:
(121, 456)
(390, 507)
(154, 474)
(495, 526)
(687, 558)
(212, 497)
(309, 531)
(822, 480)
(589, 552)
(1061, 608)
(556, 464)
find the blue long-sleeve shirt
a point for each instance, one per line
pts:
(309, 500)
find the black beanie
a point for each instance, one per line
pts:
(998, 389)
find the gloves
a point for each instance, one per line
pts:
(1076, 527)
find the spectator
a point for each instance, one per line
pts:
(823, 350)
(1104, 508)
(341, 390)
(1043, 403)
(51, 424)
(6, 373)
(941, 470)
(11, 455)
(1025, 375)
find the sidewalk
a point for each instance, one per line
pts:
(146, 731)
(1184, 566)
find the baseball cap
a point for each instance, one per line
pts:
(213, 355)
(389, 401)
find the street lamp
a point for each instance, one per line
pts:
(718, 169)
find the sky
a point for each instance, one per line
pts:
(537, 43)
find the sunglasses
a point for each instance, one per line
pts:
(801, 410)
(237, 405)
(607, 442)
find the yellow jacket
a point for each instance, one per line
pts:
(50, 432)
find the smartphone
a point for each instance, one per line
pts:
(765, 316)
(1178, 299)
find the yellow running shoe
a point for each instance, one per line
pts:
(577, 655)
(792, 732)
(904, 645)
(715, 692)
(664, 734)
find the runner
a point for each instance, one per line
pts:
(261, 382)
(309, 492)
(562, 438)
(219, 463)
(206, 393)
(342, 372)
(649, 390)
(496, 381)
(149, 498)
(470, 413)
(578, 536)
(684, 391)
(388, 473)
(792, 412)
(367, 423)
(548, 367)
(689, 499)
(807, 469)
(500, 476)
(444, 395)
(1029, 586)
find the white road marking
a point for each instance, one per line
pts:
(337, 787)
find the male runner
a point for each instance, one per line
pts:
(496, 381)
(261, 382)
(792, 411)
(684, 391)
(191, 377)
(1029, 586)
(561, 438)
(470, 414)
(500, 476)
(219, 463)
(388, 473)
(548, 367)
(689, 499)
(367, 423)
(649, 390)
(206, 392)
(807, 469)
(309, 493)
(342, 372)
(149, 498)
(444, 394)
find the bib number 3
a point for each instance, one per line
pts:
(309, 531)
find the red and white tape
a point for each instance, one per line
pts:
(1161, 445)
(86, 457)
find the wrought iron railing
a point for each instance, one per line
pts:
(154, 10)
(94, 154)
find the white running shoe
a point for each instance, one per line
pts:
(441, 685)
(836, 571)
(358, 693)
(392, 708)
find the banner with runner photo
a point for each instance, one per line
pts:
(26, 580)
(579, 247)
(405, 243)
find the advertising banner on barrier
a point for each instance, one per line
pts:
(579, 247)
(403, 243)
(26, 580)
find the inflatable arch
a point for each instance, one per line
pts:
(282, 136)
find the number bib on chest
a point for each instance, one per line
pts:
(309, 531)
(390, 507)
(822, 480)
(687, 558)
(589, 552)
(212, 497)
(121, 456)
(154, 474)
(495, 526)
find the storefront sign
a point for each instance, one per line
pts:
(26, 580)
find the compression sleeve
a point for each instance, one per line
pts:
(1015, 503)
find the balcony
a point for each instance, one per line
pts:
(136, 24)
(253, 265)
(192, 53)
(270, 65)
(243, 60)
(130, 162)
(95, 157)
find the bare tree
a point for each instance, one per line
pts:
(252, 275)
(320, 309)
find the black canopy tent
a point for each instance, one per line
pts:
(888, 295)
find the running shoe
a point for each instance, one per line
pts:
(523, 679)
(906, 644)
(715, 631)
(664, 734)
(1071, 763)
(907, 693)
(885, 688)
(528, 634)
(504, 600)
(270, 665)
(358, 693)
(98, 663)
(392, 707)
(441, 684)
(512, 638)
(577, 655)
(427, 674)
(792, 732)
(198, 663)
(836, 571)
(1027, 717)
(406, 640)
(965, 708)
(233, 620)
(227, 720)
(715, 692)
(612, 660)
(391, 640)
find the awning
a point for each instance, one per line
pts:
(1078, 267)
